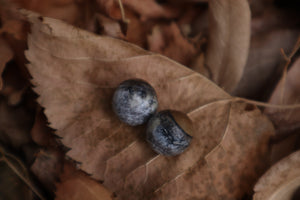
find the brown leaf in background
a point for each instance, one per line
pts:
(76, 75)
(264, 60)
(71, 11)
(136, 29)
(49, 160)
(47, 166)
(76, 185)
(229, 39)
(15, 181)
(109, 26)
(289, 93)
(151, 9)
(281, 181)
(15, 124)
(14, 31)
(287, 122)
(169, 41)
(11, 20)
(6, 55)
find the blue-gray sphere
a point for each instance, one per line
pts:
(134, 102)
(165, 135)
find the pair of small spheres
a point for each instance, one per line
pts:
(135, 103)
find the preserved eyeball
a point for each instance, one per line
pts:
(134, 101)
(168, 132)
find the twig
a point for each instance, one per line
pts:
(16, 171)
(124, 19)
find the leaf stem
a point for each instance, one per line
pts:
(259, 103)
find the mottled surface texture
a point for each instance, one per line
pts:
(134, 101)
(165, 136)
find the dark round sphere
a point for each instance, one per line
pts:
(134, 101)
(168, 132)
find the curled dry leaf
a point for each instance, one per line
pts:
(281, 181)
(264, 60)
(76, 185)
(6, 54)
(229, 39)
(289, 93)
(76, 75)
(287, 122)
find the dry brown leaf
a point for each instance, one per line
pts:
(286, 122)
(12, 21)
(47, 167)
(75, 185)
(229, 40)
(109, 27)
(169, 41)
(289, 93)
(14, 31)
(281, 181)
(15, 28)
(136, 29)
(48, 163)
(151, 9)
(110, 8)
(71, 11)
(6, 54)
(264, 60)
(76, 75)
